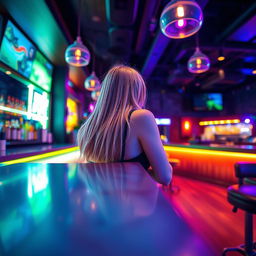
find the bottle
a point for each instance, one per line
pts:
(2, 141)
(18, 127)
(13, 130)
(7, 130)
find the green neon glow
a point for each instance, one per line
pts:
(72, 171)
(37, 157)
(43, 105)
(41, 72)
(13, 179)
(30, 98)
(39, 193)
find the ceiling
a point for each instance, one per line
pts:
(127, 31)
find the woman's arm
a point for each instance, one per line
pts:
(148, 134)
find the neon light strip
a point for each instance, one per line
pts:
(29, 115)
(13, 110)
(209, 152)
(233, 121)
(41, 156)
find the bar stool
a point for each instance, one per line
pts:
(243, 196)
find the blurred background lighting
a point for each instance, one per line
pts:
(95, 95)
(198, 62)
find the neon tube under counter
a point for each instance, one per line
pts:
(214, 164)
(43, 154)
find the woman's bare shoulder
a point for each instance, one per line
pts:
(142, 115)
(143, 118)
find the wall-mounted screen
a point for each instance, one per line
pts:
(208, 102)
(17, 51)
(41, 73)
(20, 54)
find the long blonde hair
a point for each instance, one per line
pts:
(100, 138)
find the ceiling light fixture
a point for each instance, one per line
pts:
(181, 19)
(92, 82)
(77, 53)
(198, 62)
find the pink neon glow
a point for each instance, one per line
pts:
(91, 107)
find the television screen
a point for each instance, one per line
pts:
(20, 54)
(41, 72)
(208, 102)
(17, 51)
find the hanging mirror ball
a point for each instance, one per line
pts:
(198, 62)
(92, 83)
(181, 19)
(77, 54)
(95, 95)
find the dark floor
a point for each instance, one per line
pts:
(60, 209)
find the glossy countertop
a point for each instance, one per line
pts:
(90, 209)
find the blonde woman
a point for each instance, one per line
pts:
(119, 130)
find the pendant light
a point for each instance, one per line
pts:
(198, 62)
(77, 53)
(92, 82)
(181, 19)
(95, 95)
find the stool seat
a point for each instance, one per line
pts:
(243, 197)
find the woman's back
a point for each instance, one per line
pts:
(116, 133)
(144, 138)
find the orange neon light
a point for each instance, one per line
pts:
(209, 152)
(187, 125)
(216, 122)
(221, 58)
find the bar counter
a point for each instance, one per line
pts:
(90, 209)
(213, 163)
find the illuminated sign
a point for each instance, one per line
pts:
(163, 121)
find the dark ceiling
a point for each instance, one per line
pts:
(127, 31)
